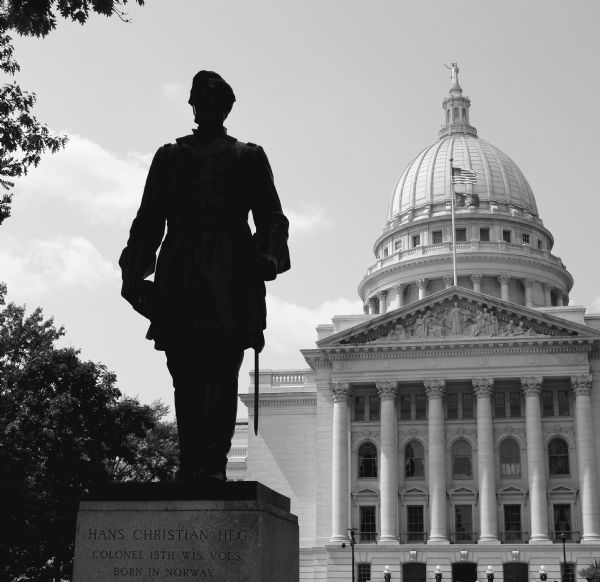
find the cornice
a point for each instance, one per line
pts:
(280, 400)
(362, 352)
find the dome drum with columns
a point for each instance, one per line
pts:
(502, 246)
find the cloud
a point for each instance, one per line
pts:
(291, 327)
(306, 220)
(106, 187)
(36, 267)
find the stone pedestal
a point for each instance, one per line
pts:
(235, 532)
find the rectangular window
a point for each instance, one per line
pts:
(405, 407)
(563, 402)
(364, 572)
(368, 528)
(416, 240)
(437, 237)
(484, 234)
(515, 404)
(415, 523)
(499, 405)
(512, 523)
(540, 245)
(467, 405)
(463, 523)
(452, 405)
(420, 406)
(547, 403)
(461, 234)
(506, 236)
(525, 238)
(397, 245)
(562, 519)
(359, 408)
(373, 407)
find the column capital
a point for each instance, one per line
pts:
(528, 282)
(399, 287)
(531, 385)
(546, 286)
(582, 384)
(339, 391)
(434, 387)
(483, 387)
(422, 283)
(382, 294)
(387, 390)
(503, 279)
(476, 278)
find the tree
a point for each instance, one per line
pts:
(64, 429)
(23, 139)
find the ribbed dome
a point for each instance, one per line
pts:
(427, 179)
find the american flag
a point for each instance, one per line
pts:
(463, 176)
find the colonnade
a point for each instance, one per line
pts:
(437, 452)
(380, 302)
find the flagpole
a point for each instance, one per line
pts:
(453, 228)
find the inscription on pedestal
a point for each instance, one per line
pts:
(175, 540)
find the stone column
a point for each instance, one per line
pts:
(382, 296)
(536, 455)
(504, 279)
(586, 459)
(448, 281)
(388, 469)
(547, 295)
(339, 463)
(486, 463)
(438, 528)
(476, 280)
(528, 284)
(372, 306)
(399, 289)
(422, 285)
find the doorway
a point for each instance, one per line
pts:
(413, 572)
(464, 572)
(516, 572)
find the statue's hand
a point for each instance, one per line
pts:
(266, 266)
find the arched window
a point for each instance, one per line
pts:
(447, 115)
(455, 114)
(367, 461)
(510, 458)
(414, 460)
(464, 114)
(558, 457)
(461, 459)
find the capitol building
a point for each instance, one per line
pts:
(454, 426)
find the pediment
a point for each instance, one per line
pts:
(561, 490)
(415, 491)
(366, 491)
(458, 314)
(461, 491)
(511, 491)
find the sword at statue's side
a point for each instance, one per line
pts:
(256, 391)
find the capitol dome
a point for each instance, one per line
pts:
(463, 197)
(426, 180)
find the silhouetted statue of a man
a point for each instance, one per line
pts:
(207, 302)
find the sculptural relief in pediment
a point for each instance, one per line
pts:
(451, 319)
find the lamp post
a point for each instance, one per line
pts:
(543, 574)
(438, 574)
(563, 537)
(352, 531)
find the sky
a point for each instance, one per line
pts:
(341, 94)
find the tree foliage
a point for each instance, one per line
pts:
(64, 429)
(23, 139)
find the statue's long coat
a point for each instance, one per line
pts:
(207, 282)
